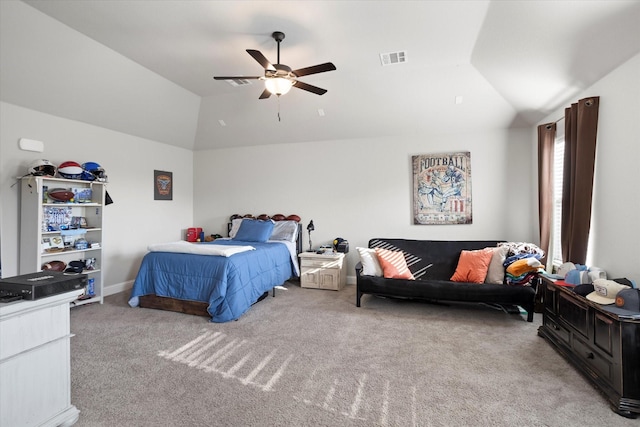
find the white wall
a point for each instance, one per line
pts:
(355, 189)
(615, 229)
(361, 189)
(134, 220)
(89, 103)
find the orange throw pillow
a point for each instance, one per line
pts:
(473, 266)
(393, 264)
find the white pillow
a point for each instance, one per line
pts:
(285, 230)
(370, 263)
(495, 273)
(235, 226)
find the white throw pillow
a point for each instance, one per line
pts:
(285, 230)
(235, 226)
(370, 264)
(495, 273)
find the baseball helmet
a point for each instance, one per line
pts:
(42, 167)
(92, 171)
(70, 170)
(75, 267)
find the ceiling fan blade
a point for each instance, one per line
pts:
(258, 56)
(265, 94)
(321, 68)
(237, 78)
(309, 88)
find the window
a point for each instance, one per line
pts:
(580, 131)
(558, 165)
(555, 246)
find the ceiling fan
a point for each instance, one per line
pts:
(279, 78)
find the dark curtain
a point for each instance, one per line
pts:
(581, 125)
(546, 140)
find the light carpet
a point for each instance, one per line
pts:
(312, 358)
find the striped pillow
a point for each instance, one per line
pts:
(393, 264)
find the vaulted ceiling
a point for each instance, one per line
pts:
(471, 65)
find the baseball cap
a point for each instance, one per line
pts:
(605, 291)
(584, 289)
(627, 303)
(565, 268)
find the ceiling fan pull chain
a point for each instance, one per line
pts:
(279, 108)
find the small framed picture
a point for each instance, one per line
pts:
(162, 185)
(57, 242)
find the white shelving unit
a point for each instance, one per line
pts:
(53, 231)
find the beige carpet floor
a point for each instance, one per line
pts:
(312, 358)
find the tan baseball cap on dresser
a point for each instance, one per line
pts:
(605, 291)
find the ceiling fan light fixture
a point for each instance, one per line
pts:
(278, 77)
(278, 85)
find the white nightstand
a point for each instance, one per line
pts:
(322, 271)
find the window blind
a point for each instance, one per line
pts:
(558, 166)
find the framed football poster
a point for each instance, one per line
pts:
(442, 188)
(162, 185)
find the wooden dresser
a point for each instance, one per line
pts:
(35, 381)
(601, 345)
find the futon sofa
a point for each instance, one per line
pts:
(433, 263)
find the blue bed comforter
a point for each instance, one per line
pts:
(229, 284)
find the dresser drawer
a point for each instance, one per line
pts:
(321, 263)
(575, 313)
(25, 331)
(550, 298)
(322, 279)
(602, 365)
(35, 385)
(606, 334)
(559, 331)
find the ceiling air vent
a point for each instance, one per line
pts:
(393, 57)
(239, 82)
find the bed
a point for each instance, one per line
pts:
(221, 279)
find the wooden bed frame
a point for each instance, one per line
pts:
(171, 304)
(181, 306)
(197, 308)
